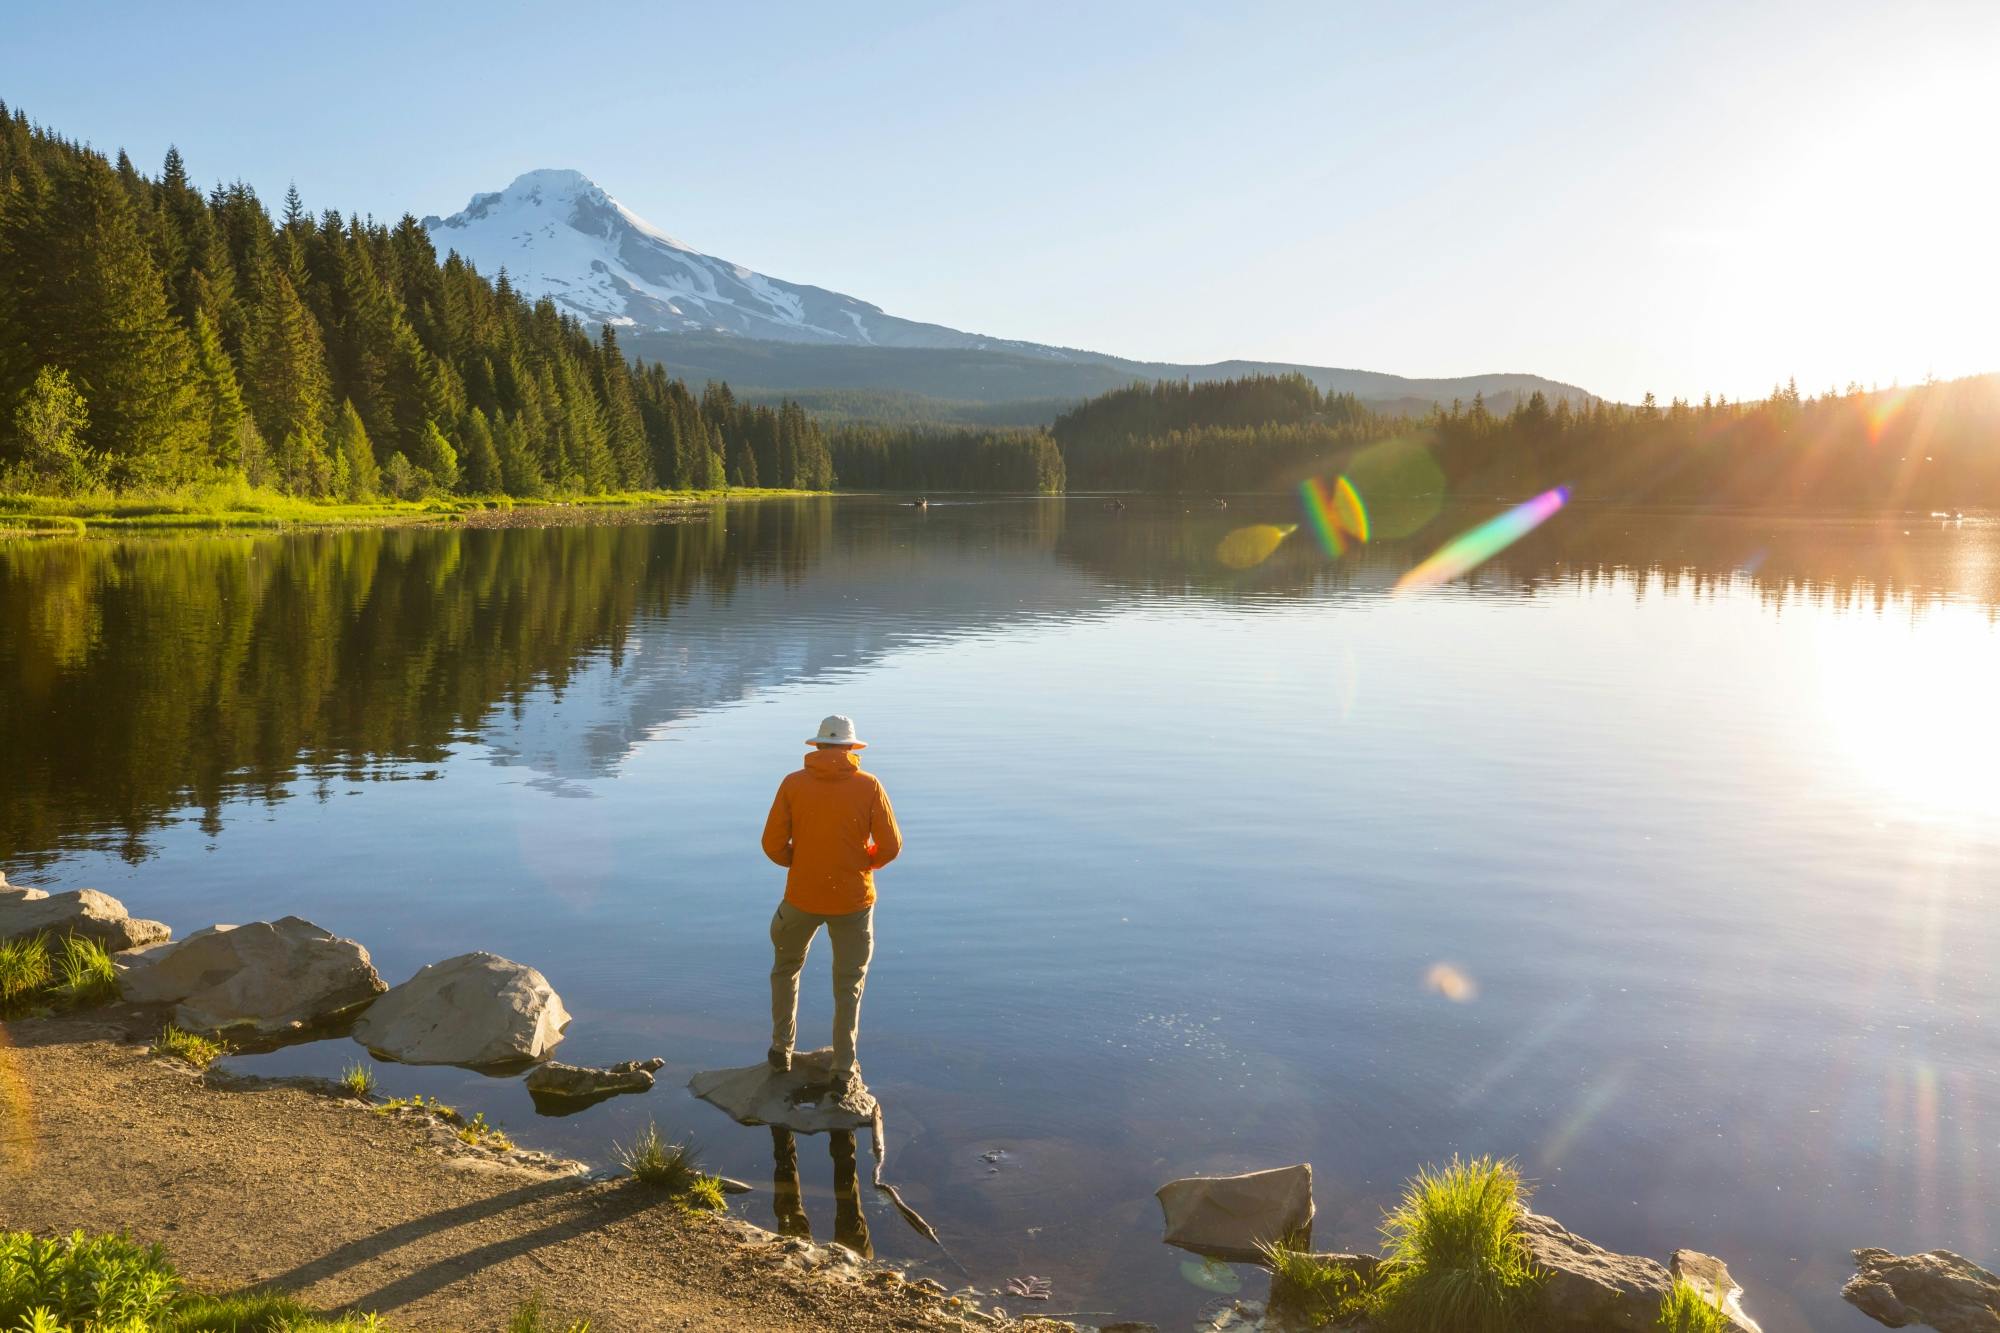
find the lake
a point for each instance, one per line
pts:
(1662, 854)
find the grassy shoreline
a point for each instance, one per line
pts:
(234, 507)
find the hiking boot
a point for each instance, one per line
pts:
(779, 1059)
(847, 1086)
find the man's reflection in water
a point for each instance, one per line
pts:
(850, 1226)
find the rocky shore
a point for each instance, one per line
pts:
(308, 1187)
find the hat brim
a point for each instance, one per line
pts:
(845, 745)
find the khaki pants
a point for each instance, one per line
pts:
(853, 936)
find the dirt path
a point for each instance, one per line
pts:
(273, 1183)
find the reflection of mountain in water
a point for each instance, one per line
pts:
(141, 678)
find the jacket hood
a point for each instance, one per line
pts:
(833, 763)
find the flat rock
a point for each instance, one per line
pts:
(18, 893)
(800, 1100)
(269, 977)
(1936, 1289)
(1710, 1276)
(1228, 1217)
(561, 1082)
(478, 1010)
(85, 913)
(1591, 1289)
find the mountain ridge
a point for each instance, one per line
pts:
(558, 234)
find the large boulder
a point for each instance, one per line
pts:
(558, 1088)
(1589, 1288)
(801, 1099)
(478, 1009)
(1710, 1276)
(267, 977)
(1940, 1289)
(85, 913)
(1229, 1217)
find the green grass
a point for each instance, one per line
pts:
(359, 1080)
(1455, 1256)
(1685, 1310)
(1321, 1293)
(77, 976)
(431, 1106)
(197, 1050)
(237, 504)
(111, 1284)
(670, 1167)
(479, 1134)
(24, 974)
(530, 1316)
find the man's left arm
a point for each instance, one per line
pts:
(882, 828)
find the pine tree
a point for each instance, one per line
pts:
(286, 383)
(436, 458)
(360, 478)
(481, 457)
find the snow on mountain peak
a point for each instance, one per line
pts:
(559, 235)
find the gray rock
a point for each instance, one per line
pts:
(1710, 1276)
(558, 1080)
(270, 977)
(18, 893)
(85, 913)
(760, 1095)
(478, 1010)
(1589, 1288)
(1228, 1217)
(1939, 1289)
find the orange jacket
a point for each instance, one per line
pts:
(832, 825)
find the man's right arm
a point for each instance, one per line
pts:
(778, 829)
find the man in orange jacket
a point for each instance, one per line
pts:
(832, 827)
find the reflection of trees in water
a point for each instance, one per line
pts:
(1171, 548)
(145, 676)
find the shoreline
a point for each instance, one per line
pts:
(101, 517)
(294, 1185)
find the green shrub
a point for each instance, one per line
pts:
(1456, 1259)
(1686, 1311)
(670, 1167)
(197, 1050)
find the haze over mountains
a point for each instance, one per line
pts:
(559, 235)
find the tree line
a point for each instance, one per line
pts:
(947, 458)
(1932, 446)
(152, 335)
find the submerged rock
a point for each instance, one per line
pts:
(801, 1100)
(557, 1082)
(271, 977)
(85, 913)
(1228, 1217)
(1710, 1276)
(1591, 1289)
(1939, 1289)
(478, 1010)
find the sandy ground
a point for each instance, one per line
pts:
(291, 1186)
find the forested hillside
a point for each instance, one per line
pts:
(152, 335)
(1935, 446)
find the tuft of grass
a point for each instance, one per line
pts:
(430, 1106)
(197, 1050)
(359, 1080)
(1456, 1258)
(1685, 1311)
(1321, 1293)
(86, 976)
(479, 1134)
(530, 1316)
(704, 1196)
(670, 1167)
(263, 1312)
(24, 973)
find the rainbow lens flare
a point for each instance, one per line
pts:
(1335, 512)
(1469, 550)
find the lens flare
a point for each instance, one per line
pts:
(17, 1116)
(1336, 513)
(1451, 983)
(1469, 550)
(1251, 546)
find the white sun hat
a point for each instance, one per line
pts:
(838, 730)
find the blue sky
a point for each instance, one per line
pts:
(1677, 198)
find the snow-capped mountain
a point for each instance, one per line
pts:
(559, 235)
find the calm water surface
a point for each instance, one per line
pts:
(1664, 856)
